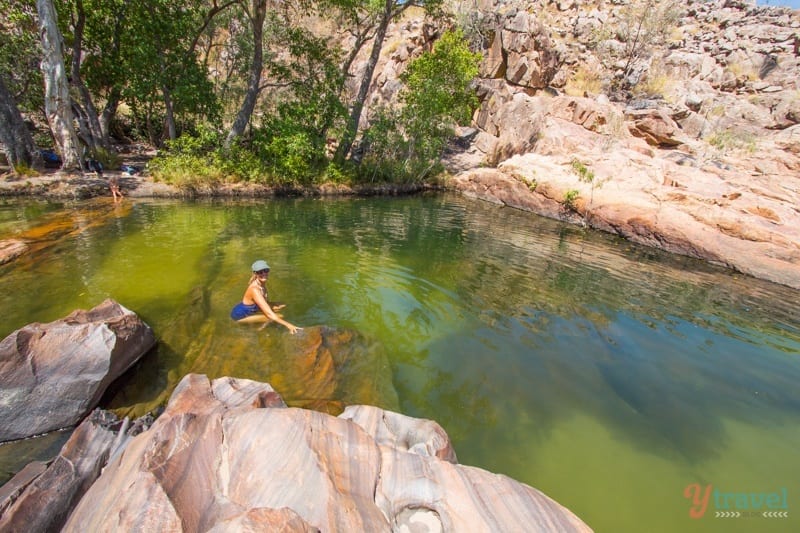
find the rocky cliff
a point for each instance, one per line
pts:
(673, 124)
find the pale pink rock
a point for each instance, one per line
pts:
(218, 460)
(654, 126)
(41, 496)
(748, 222)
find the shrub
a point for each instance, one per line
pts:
(584, 81)
(730, 140)
(23, 170)
(196, 159)
(583, 172)
(109, 159)
(570, 197)
(405, 145)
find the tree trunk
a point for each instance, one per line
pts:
(14, 134)
(90, 122)
(56, 98)
(110, 111)
(350, 132)
(172, 131)
(254, 87)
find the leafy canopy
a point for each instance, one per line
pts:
(406, 145)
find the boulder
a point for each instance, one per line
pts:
(41, 496)
(654, 126)
(227, 456)
(789, 140)
(52, 375)
(520, 122)
(593, 115)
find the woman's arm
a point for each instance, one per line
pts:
(261, 302)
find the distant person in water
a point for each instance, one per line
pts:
(113, 184)
(255, 306)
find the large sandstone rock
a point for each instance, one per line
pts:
(41, 496)
(520, 51)
(688, 206)
(52, 375)
(228, 456)
(654, 126)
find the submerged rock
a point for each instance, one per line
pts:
(52, 375)
(10, 249)
(228, 455)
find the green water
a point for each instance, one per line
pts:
(607, 375)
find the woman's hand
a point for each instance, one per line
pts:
(292, 328)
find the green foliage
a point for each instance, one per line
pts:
(583, 172)
(192, 160)
(438, 85)
(730, 140)
(110, 160)
(337, 174)
(570, 197)
(292, 139)
(406, 145)
(290, 155)
(287, 140)
(142, 51)
(269, 157)
(20, 54)
(23, 170)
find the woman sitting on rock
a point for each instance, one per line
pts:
(254, 306)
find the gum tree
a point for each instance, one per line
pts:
(386, 11)
(57, 103)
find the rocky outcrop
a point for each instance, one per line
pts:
(674, 204)
(694, 150)
(41, 496)
(52, 375)
(228, 455)
(519, 51)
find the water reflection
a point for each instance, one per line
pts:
(568, 359)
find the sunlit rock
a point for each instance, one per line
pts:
(220, 458)
(746, 222)
(654, 126)
(52, 375)
(41, 496)
(712, 171)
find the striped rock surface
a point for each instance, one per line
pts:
(228, 455)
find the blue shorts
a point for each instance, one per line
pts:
(241, 311)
